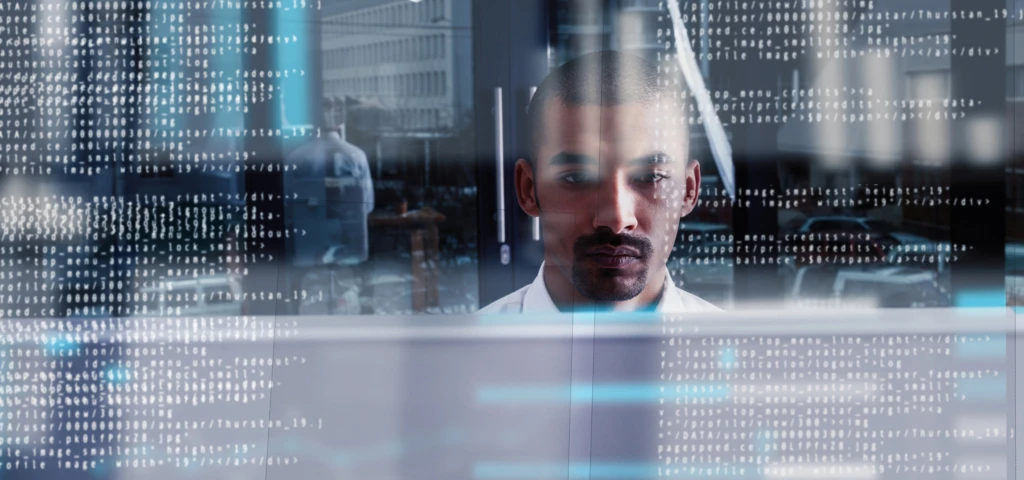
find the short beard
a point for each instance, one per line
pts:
(594, 288)
(589, 287)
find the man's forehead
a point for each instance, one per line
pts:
(629, 128)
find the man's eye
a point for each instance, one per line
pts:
(576, 178)
(653, 177)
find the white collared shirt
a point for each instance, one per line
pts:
(534, 298)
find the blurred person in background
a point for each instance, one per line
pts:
(332, 179)
(610, 177)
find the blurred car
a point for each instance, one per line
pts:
(872, 240)
(877, 227)
(931, 255)
(207, 295)
(702, 261)
(880, 286)
(840, 223)
(1014, 274)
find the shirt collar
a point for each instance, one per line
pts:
(538, 300)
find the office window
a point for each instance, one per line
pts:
(444, 83)
(1015, 81)
(1019, 199)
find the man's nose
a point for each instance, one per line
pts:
(615, 205)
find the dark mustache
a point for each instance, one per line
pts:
(602, 238)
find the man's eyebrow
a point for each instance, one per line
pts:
(569, 158)
(656, 158)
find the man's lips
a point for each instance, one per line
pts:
(622, 251)
(613, 257)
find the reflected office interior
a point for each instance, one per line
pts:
(299, 300)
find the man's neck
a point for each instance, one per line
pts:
(568, 299)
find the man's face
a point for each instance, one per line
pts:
(610, 185)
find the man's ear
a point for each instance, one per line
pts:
(526, 188)
(692, 188)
